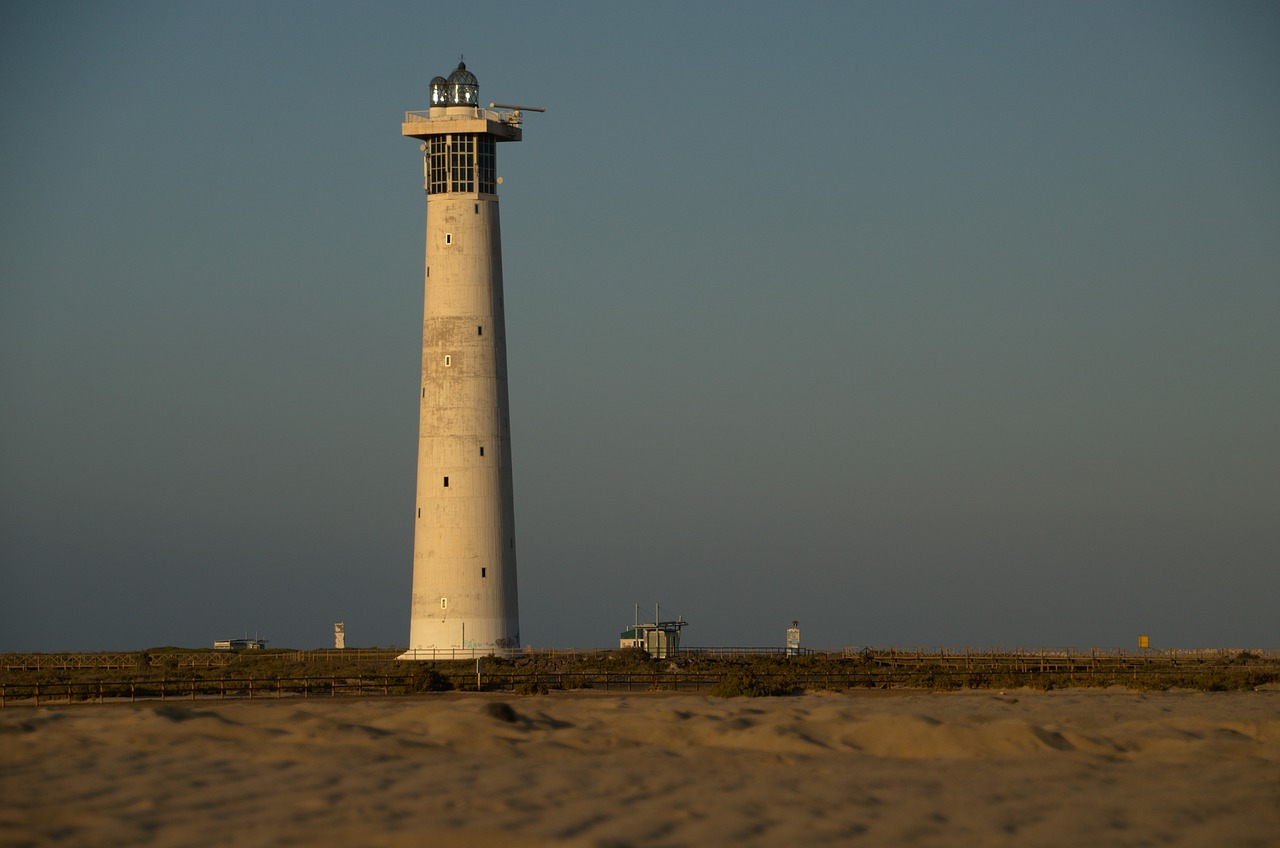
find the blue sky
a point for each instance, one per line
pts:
(921, 323)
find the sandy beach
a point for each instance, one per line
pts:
(1075, 767)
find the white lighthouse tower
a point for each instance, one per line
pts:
(464, 547)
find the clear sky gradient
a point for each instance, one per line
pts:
(923, 323)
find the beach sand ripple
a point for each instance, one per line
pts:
(1075, 767)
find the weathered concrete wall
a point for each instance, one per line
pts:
(464, 560)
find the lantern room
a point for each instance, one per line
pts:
(460, 89)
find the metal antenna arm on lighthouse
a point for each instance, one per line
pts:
(464, 600)
(514, 120)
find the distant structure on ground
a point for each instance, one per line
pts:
(339, 635)
(239, 644)
(464, 548)
(660, 638)
(793, 639)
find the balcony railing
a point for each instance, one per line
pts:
(457, 114)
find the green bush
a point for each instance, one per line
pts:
(631, 655)
(427, 679)
(531, 687)
(739, 682)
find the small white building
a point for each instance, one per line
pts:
(793, 639)
(660, 638)
(239, 644)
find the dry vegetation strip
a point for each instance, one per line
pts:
(176, 673)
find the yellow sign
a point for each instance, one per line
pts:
(1143, 641)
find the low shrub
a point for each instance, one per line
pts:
(426, 679)
(740, 683)
(531, 687)
(631, 655)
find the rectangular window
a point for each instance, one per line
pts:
(477, 208)
(485, 164)
(482, 571)
(448, 238)
(456, 162)
(480, 330)
(446, 482)
(438, 165)
(444, 603)
(462, 168)
(448, 360)
(482, 450)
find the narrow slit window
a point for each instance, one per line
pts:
(424, 391)
(480, 330)
(419, 512)
(482, 450)
(448, 360)
(448, 238)
(477, 208)
(446, 482)
(483, 571)
(444, 603)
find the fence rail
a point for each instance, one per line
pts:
(115, 660)
(455, 113)
(1145, 653)
(726, 652)
(880, 671)
(333, 686)
(32, 661)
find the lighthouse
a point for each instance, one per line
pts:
(464, 545)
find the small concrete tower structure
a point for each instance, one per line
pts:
(464, 547)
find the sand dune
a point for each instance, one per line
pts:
(980, 768)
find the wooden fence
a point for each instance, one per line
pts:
(115, 660)
(109, 660)
(879, 671)
(334, 686)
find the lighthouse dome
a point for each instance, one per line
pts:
(439, 91)
(464, 88)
